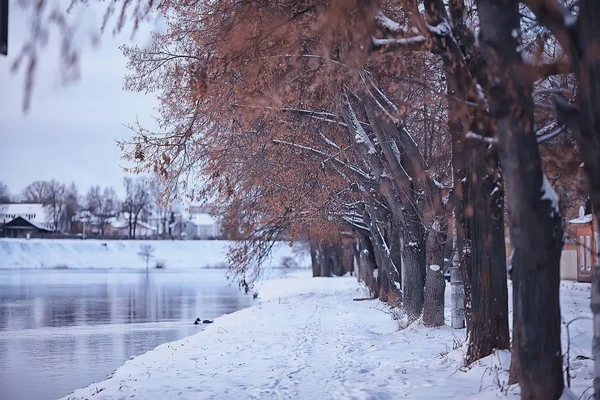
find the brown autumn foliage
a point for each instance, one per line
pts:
(249, 102)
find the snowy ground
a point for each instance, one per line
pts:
(122, 254)
(309, 340)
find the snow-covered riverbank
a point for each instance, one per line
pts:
(122, 254)
(308, 339)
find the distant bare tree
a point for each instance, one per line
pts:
(161, 209)
(36, 192)
(146, 253)
(103, 204)
(93, 199)
(55, 201)
(137, 200)
(4, 193)
(109, 203)
(71, 206)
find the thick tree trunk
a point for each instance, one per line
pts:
(367, 265)
(596, 340)
(388, 292)
(487, 317)
(435, 284)
(323, 259)
(534, 217)
(457, 298)
(413, 269)
(588, 135)
(314, 257)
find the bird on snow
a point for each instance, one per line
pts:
(197, 321)
(207, 321)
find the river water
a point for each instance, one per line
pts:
(62, 330)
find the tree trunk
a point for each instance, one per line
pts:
(487, 317)
(596, 340)
(367, 265)
(413, 269)
(457, 297)
(582, 41)
(534, 217)
(314, 257)
(325, 259)
(385, 269)
(435, 284)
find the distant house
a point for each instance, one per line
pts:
(21, 228)
(207, 226)
(119, 227)
(197, 226)
(19, 220)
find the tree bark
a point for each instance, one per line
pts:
(487, 316)
(435, 284)
(534, 218)
(457, 298)
(413, 269)
(367, 264)
(314, 257)
(595, 305)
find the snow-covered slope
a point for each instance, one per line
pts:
(308, 339)
(112, 254)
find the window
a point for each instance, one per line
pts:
(588, 253)
(581, 253)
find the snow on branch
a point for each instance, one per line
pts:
(328, 141)
(407, 43)
(473, 135)
(389, 24)
(359, 133)
(441, 29)
(549, 194)
(327, 157)
(550, 135)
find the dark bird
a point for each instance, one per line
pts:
(207, 321)
(197, 321)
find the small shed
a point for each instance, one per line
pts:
(586, 232)
(21, 228)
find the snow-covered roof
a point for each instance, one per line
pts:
(21, 209)
(585, 219)
(34, 212)
(204, 219)
(117, 223)
(120, 223)
(146, 225)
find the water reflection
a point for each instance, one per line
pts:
(60, 330)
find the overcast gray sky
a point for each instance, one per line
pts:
(70, 132)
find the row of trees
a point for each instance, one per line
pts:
(98, 204)
(402, 125)
(398, 126)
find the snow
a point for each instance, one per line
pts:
(570, 20)
(586, 219)
(308, 339)
(388, 23)
(549, 194)
(401, 41)
(441, 29)
(122, 254)
(473, 135)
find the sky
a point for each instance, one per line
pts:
(70, 132)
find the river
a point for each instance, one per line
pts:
(65, 329)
